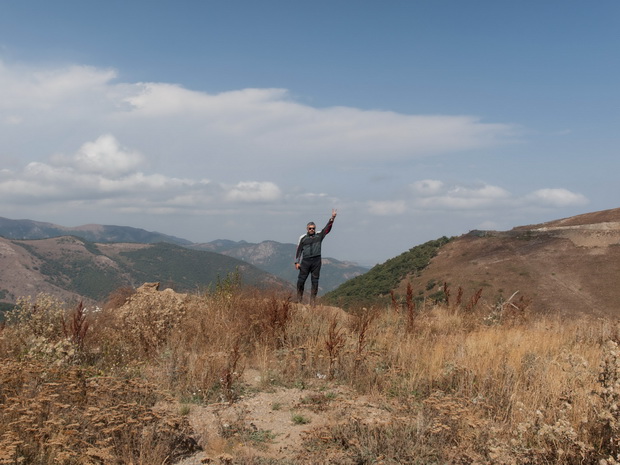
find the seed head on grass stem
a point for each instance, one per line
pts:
(334, 342)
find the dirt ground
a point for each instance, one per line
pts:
(274, 424)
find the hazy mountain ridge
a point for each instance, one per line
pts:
(273, 257)
(73, 269)
(29, 229)
(278, 258)
(570, 265)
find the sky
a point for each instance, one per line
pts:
(244, 120)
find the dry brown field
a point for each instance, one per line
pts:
(237, 376)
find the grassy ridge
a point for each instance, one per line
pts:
(186, 269)
(375, 285)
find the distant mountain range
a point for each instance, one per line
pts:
(74, 269)
(277, 258)
(92, 260)
(29, 229)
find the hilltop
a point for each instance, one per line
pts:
(568, 265)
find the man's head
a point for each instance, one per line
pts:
(311, 228)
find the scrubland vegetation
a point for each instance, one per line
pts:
(373, 287)
(462, 382)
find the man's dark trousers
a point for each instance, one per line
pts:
(309, 266)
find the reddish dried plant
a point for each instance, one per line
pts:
(446, 293)
(411, 309)
(474, 300)
(334, 341)
(75, 330)
(395, 305)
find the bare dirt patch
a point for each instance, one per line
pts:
(274, 424)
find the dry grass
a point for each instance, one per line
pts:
(461, 383)
(71, 415)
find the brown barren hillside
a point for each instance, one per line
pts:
(571, 265)
(20, 274)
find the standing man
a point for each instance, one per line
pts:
(309, 247)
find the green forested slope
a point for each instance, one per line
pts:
(375, 285)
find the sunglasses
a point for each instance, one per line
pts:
(311, 229)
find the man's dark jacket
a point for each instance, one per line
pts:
(310, 245)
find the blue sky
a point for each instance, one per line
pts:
(244, 120)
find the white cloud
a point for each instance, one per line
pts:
(103, 173)
(25, 88)
(436, 194)
(387, 208)
(427, 187)
(103, 156)
(251, 124)
(43, 183)
(57, 85)
(244, 126)
(556, 198)
(253, 191)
